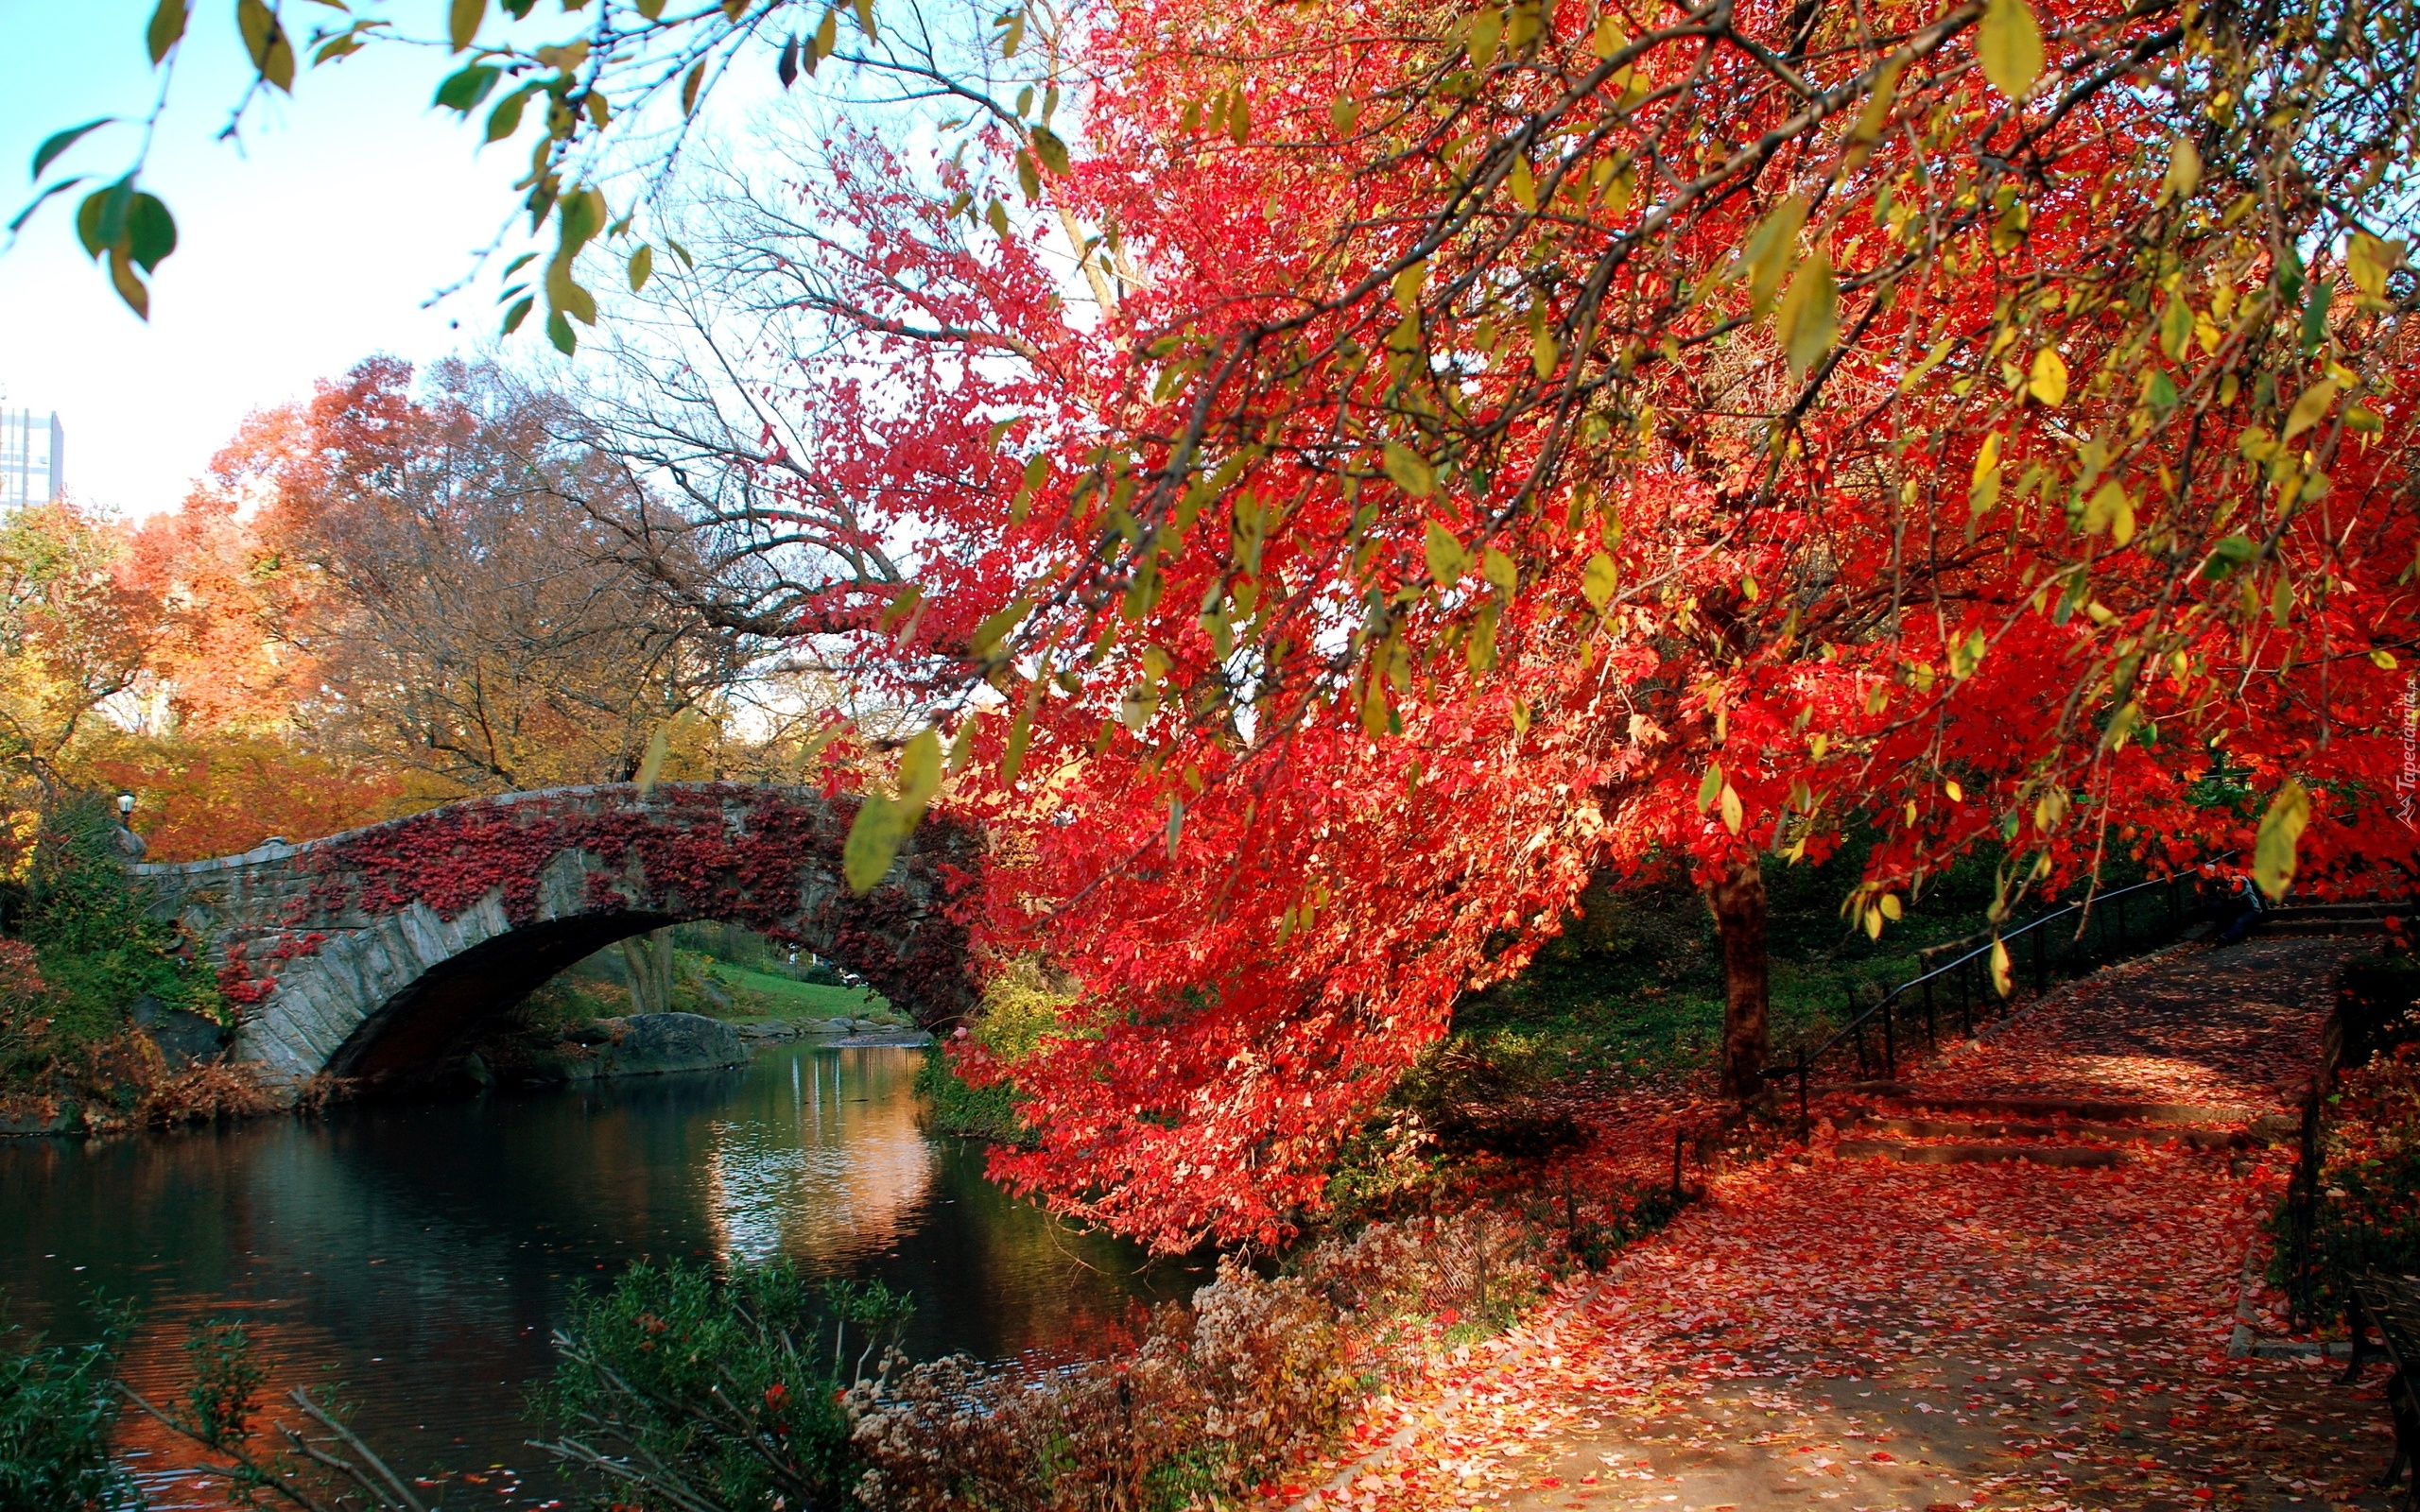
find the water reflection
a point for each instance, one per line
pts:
(422, 1254)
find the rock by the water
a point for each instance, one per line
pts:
(183, 1036)
(650, 1043)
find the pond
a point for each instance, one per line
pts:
(421, 1254)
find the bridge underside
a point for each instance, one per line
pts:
(433, 1018)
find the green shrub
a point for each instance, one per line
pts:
(99, 956)
(988, 1113)
(696, 1390)
(57, 1406)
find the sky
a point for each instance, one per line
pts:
(316, 242)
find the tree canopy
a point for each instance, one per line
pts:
(1337, 476)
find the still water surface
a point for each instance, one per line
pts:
(422, 1254)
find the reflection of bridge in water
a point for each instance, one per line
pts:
(380, 951)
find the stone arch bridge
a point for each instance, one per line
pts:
(377, 953)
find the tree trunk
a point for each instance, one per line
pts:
(649, 957)
(1738, 899)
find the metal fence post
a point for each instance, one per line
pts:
(1889, 1040)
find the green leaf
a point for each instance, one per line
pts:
(1809, 319)
(2010, 42)
(465, 87)
(168, 25)
(506, 118)
(642, 266)
(2309, 409)
(36, 204)
(1409, 471)
(2315, 316)
(558, 331)
(1050, 149)
(1771, 252)
(100, 219)
(1598, 579)
(151, 231)
(1447, 562)
(996, 627)
(1711, 788)
(873, 843)
(2227, 555)
(2281, 828)
(463, 22)
(682, 252)
(519, 313)
(59, 142)
(265, 41)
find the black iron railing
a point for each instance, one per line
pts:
(2105, 928)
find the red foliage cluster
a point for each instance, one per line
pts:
(1308, 723)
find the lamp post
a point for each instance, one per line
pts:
(125, 805)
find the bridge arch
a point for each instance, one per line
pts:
(374, 953)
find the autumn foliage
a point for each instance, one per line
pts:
(1512, 445)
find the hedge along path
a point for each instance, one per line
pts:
(1868, 1334)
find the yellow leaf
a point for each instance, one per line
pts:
(1525, 183)
(2010, 43)
(2110, 512)
(1772, 252)
(659, 746)
(1409, 471)
(1597, 583)
(1987, 456)
(920, 775)
(1890, 909)
(2385, 660)
(1447, 562)
(2272, 851)
(2049, 380)
(1873, 924)
(1955, 791)
(1711, 788)
(2370, 260)
(2003, 977)
(1809, 315)
(872, 843)
(1733, 814)
(2309, 409)
(2184, 170)
(1499, 570)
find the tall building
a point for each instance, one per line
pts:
(34, 458)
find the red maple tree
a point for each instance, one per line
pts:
(1512, 445)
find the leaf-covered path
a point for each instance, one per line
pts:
(1844, 1333)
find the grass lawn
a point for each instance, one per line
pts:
(762, 995)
